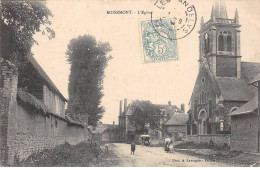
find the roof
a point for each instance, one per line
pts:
(247, 108)
(74, 122)
(177, 119)
(255, 79)
(27, 98)
(220, 9)
(234, 89)
(44, 76)
(31, 101)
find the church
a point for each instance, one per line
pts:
(221, 86)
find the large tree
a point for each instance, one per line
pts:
(88, 59)
(144, 113)
(19, 21)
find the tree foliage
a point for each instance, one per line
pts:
(88, 60)
(19, 21)
(143, 113)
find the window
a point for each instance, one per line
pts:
(229, 45)
(225, 41)
(221, 43)
(203, 80)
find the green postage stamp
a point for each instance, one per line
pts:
(159, 40)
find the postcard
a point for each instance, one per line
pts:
(134, 83)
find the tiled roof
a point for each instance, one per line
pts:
(44, 76)
(256, 78)
(177, 119)
(237, 89)
(248, 107)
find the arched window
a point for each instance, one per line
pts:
(221, 43)
(229, 43)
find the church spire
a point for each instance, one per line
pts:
(202, 22)
(213, 16)
(220, 9)
(236, 17)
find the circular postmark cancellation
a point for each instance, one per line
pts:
(180, 16)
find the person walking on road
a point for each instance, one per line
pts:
(132, 148)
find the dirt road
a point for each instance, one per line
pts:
(156, 156)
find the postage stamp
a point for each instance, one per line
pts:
(158, 48)
(170, 21)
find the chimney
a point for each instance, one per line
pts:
(169, 103)
(113, 124)
(120, 107)
(125, 105)
(183, 108)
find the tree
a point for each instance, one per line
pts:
(143, 113)
(19, 21)
(88, 60)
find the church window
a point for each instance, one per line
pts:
(229, 45)
(221, 43)
(203, 80)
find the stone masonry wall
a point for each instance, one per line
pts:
(24, 130)
(218, 139)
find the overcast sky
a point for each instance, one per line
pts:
(126, 75)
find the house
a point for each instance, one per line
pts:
(245, 124)
(176, 126)
(126, 129)
(222, 82)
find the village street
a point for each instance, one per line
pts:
(156, 156)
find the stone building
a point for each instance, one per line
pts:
(176, 127)
(126, 129)
(222, 82)
(245, 123)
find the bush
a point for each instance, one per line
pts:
(81, 154)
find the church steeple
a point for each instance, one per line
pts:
(213, 16)
(220, 42)
(236, 17)
(220, 9)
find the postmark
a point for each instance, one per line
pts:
(156, 47)
(182, 15)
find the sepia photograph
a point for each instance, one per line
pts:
(133, 83)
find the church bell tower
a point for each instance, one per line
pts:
(220, 42)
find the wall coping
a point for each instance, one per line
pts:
(209, 135)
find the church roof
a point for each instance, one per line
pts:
(220, 9)
(177, 119)
(249, 107)
(234, 89)
(256, 78)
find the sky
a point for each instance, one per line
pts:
(126, 75)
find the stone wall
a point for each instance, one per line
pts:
(25, 130)
(218, 139)
(244, 132)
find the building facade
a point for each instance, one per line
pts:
(222, 82)
(245, 123)
(127, 130)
